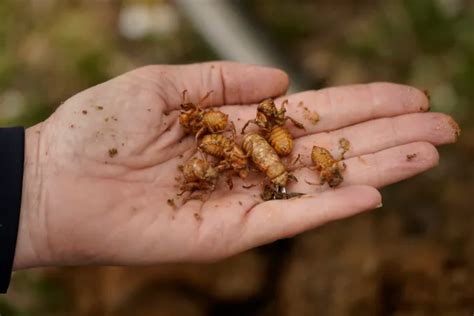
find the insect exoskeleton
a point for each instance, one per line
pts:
(215, 144)
(281, 140)
(233, 157)
(215, 121)
(199, 174)
(265, 158)
(272, 120)
(268, 108)
(329, 168)
(198, 121)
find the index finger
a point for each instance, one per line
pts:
(332, 108)
(230, 82)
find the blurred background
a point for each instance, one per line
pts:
(415, 256)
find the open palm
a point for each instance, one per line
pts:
(100, 170)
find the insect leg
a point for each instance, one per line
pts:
(263, 182)
(185, 94)
(234, 132)
(189, 187)
(205, 97)
(202, 153)
(296, 160)
(292, 177)
(223, 165)
(313, 183)
(229, 181)
(198, 134)
(246, 124)
(295, 122)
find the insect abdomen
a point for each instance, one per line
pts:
(199, 170)
(265, 158)
(329, 168)
(281, 140)
(215, 121)
(322, 158)
(214, 144)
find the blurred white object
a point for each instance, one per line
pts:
(139, 20)
(230, 35)
(225, 31)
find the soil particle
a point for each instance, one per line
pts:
(410, 157)
(345, 145)
(198, 217)
(311, 116)
(171, 203)
(455, 126)
(113, 152)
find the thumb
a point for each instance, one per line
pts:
(274, 220)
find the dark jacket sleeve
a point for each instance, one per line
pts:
(12, 149)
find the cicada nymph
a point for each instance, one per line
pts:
(272, 120)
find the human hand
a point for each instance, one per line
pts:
(99, 171)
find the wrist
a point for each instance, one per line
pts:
(30, 251)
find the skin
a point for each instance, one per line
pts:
(84, 205)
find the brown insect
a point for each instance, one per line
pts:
(215, 144)
(198, 174)
(269, 193)
(231, 154)
(266, 159)
(330, 169)
(198, 121)
(272, 121)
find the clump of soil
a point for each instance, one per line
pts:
(113, 152)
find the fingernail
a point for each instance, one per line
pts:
(379, 205)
